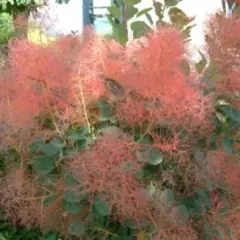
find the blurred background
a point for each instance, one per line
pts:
(55, 19)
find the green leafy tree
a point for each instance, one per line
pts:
(22, 8)
(124, 10)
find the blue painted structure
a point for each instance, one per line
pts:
(101, 22)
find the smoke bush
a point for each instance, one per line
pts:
(223, 48)
(109, 168)
(96, 120)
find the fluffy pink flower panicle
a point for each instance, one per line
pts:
(175, 232)
(17, 202)
(114, 59)
(97, 59)
(18, 103)
(132, 110)
(21, 201)
(89, 67)
(108, 168)
(43, 67)
(223, 48)
(37, 79)
(173, 146)
(225, 170)
(155, 63)
(154, 72)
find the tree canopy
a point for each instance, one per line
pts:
(14, 7)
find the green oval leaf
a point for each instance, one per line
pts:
(115, 12)
(53, 147)
(131, 11)
(158, 7)
(140, 174)
(43, 164)
(228, 145)
(155, 156)
(76, 228)
(203, 198)
(73, 197)
(139, 29)
(171, 3)
(144, 11)
(70, 181)
(78, 134)
(167, 197)
(51, 236)
(130, 223)
(106, 110)
(120, 33)
(71, 207)
(102, 206)
(37, 145)
(232, 113)
(49, 180)
(111, 20)
(202, 63)
(181, 212)
(178, 17)
(149, 17)
(50, 199)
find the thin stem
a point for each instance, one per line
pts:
(146, 132)
(151, 217)
(84, 106)
(230, 211)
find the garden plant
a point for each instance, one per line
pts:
(100, 139)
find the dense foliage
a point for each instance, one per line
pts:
(107, 141)
(125, 13)
(16, 7)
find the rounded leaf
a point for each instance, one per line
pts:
(131, 11)
(144, 11)
(139, 29)
(76, 228)
(181, 213)
(106, 110)
(178, 17)
(155, 156)
(204, 198)
(130, 223)
(53, 147)
(115, 12)
(43, 164)
(71, 207)
(120, 33)
(73, 197)
(232, 113)
(170, 3)
(50, 199)
(228, 144)
(102, 206)
(70, 181)
(50, 236)
(78, 134)
(167, 197)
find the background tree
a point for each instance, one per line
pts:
(20, 10)
(124, 11)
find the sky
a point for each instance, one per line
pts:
(201, 9)
(64, 18)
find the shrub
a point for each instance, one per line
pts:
(107, 141)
